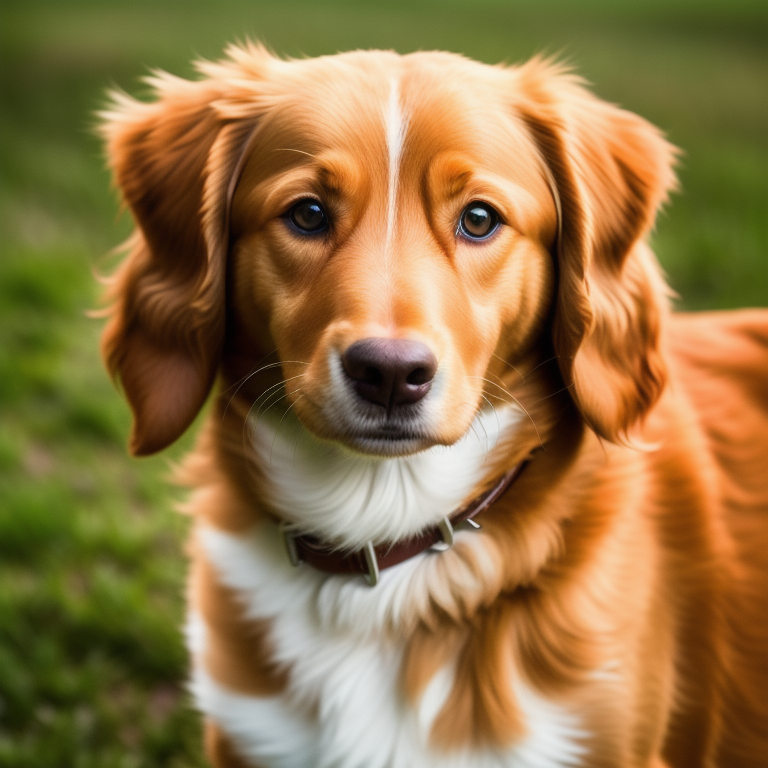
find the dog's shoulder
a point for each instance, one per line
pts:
(720, 364)
(730, 347)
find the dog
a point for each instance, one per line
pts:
(469, 494)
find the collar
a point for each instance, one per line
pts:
(371, 560)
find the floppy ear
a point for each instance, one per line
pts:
(610, 171)
(176, 161)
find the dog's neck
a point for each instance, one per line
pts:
(348, 499)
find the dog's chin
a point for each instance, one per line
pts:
(375, 436)
(366, 430)
(386, 443)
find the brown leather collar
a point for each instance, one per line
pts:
(372, 559)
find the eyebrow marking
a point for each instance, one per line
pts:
(396, 124)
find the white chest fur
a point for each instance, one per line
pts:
(349, 499)
(342, 707)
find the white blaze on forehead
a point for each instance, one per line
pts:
(396, 124)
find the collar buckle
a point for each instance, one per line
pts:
(445, 529)
(372, 562)
(289, 542)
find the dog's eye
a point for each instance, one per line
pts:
(308, 216)
(478, 221)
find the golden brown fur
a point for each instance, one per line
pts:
(638, 536)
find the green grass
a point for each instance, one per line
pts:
(91, 661)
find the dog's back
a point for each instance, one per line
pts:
(722, 360)
(720, 366)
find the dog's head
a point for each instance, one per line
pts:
(401, 230)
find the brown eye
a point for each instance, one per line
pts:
(478, 221)
(308, 217)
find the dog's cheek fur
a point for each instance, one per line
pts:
(610, 172)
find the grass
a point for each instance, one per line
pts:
(91, 661)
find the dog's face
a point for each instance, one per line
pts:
(389, 250)
(402, 231)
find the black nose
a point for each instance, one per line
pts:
(390, 372)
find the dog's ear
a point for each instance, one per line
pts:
(610, 171)
(175, 161)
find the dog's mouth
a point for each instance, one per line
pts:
(394, 435)
(384, 434)
(389, 440)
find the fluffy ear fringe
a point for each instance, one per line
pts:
(176, 160)
(610, 171)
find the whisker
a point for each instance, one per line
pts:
(498, 397)
(296, 444)
(487, 450)
(279, 424)
(506, 400)
(245, 427)
(488, 381)
(554, 357)
(268, 396)
(299, 151)
(525, 411)
(506, 362)
(495, 413)
(487, 438)
(253, 373)
(555, 393)
(261, 413)
(275, 387)
(520, 405)
(499, 379)
(270, 406)
(474, 432)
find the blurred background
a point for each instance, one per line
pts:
(91, 662)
